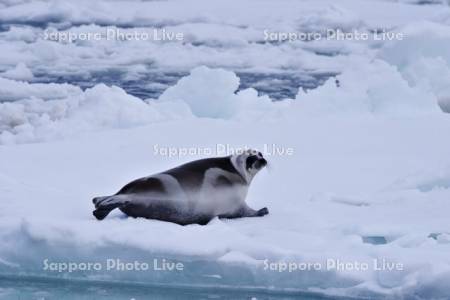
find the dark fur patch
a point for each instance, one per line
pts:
(191, 175)
(163, 211)
(250, 161)
(145, 184)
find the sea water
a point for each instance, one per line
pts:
(35, 288)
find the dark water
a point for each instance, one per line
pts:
(280, 85)
(49, 289)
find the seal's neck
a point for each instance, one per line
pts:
(238, 162)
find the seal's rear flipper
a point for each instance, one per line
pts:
(104, 205)
(98, 200)
(100, 214)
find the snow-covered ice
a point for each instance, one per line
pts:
(368, 179)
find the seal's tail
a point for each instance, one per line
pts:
(104, 205)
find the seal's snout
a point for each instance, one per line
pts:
(255, 161)
(263, 161)
(260, 163)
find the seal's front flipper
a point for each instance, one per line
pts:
(104, 205)
(262, 212)
(246, 211)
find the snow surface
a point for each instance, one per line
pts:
(369, 177)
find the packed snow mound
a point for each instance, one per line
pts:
(211, 93)
(207, 92)
(425, 65)
(377, 88)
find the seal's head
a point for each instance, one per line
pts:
(248, 163)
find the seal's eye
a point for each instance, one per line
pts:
(260, 154)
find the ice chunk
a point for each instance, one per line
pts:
(20, 72)
(208, 92)
(100, 107)
(376, 88)
(12, 90)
